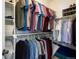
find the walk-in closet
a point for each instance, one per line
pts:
(40, 29)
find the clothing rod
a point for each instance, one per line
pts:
(67, 17)
(38, 33)
(33, 35)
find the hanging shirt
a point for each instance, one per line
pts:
(65, 39)
(36, 22)
(49, 47)
(69, 31)
(32, 49)
(22, 3)
(45, 49)
(44, 10)
(45, 29)
(41, 14)
(66, 32)
(62, 30)
(58, 27)
(43, 20)
(37, 14)
(44, 15)
(37, 50)
(28, 17)
(36, 9)
(29, 14)
(19, 16)
(26, 4)
(29, 2)
(39, 23)
(39, 47)
(73, 35)
(51, 22)
(39, 8)
(25, 16)
(34, 19)
(32, 14)
(27, 48)
(42, 56)
(21, 50)
(33, 22)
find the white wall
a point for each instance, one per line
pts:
(57, 5)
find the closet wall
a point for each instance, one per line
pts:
(57, 5)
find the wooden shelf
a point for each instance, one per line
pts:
(64, 44)
(9, 22)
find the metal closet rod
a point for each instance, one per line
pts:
(38, 33)
(33, 35)
(67, 17)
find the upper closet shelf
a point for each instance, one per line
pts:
(10, 3)
(65, 45)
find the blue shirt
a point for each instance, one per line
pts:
(25, 16)
(32, 49)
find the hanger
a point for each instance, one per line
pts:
(37, 37)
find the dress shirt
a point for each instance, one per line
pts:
(32, 50)
(58, 27)
(28, 17)
(29, 2)
(46, 24)
(19, 16)
(45, 49)
(37, 51)
(62, 31)
(22, 3)
(49, 47)
(20, 50)
(36, 21)
(74, 32)
(69, 31)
